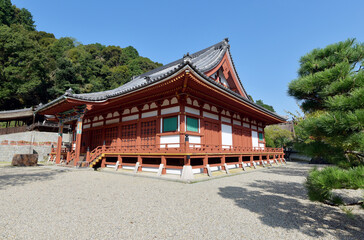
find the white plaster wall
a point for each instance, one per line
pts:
(217, 168)
(116, 120)
(232, 166)
(170, 139)
(128, 167)
(170, 110)
(192, 110)
(131, 117)
(236, 122)
(210, 115)
(149, 169)
(195, 139)
(225, 119)
(226, 135)
(255, 139)
(149, 114)
(197, 170)
(98, 124)
(174, 171)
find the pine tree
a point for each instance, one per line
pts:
(330, 90)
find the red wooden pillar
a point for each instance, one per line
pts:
(140, 160)
(205, 162)
(223, 162)
(260, 159)
(120, 159)
(251, 160)
(240, 161)
(139, 129)
(59, 142)
(88, 155)
(182, 125)
(78, 140)
(164, 162)
(68, 158)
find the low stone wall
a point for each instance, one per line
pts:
(28, 143)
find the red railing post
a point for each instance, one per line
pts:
(68, 156)
(88, 154)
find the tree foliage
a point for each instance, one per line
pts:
(266, 106)
(330, 90)
(276, 136)
(36, 67)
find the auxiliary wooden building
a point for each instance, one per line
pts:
(188, 114)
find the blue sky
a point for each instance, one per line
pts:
(267, 38)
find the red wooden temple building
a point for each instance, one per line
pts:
(189, 115)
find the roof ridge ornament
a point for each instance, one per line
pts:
(69, 92)
(226, 42)
(147, 78)
(187, 58)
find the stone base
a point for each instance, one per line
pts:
(25, 160)
(187, 173)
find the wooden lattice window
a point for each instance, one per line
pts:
(111, 135)
(129, 135)
(96, 138)
(148, 133)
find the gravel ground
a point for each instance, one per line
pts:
(43, 203)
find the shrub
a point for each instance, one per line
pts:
(319, 183)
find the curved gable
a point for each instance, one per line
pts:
(225, 73)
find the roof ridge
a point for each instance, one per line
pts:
(178, 61)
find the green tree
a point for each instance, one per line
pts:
(36, 67)
(266, 106)
(23, 72)
(10, 14)
(330, 89)
(276, 136)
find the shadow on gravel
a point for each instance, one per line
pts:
(14, 179)
(301, 170)
(279, 205)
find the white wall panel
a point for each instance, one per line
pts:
(169, 139)
(225, 119)
(226, 134)
(192, 110)
(236, 122)
(116, 120)
(131, 117)
(97, 124)
(170, 110)
(210, 115)
(149, 114)
(255, 139)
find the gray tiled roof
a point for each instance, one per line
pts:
(16, 113)
(203, 61)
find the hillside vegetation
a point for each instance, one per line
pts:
(36, 67)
